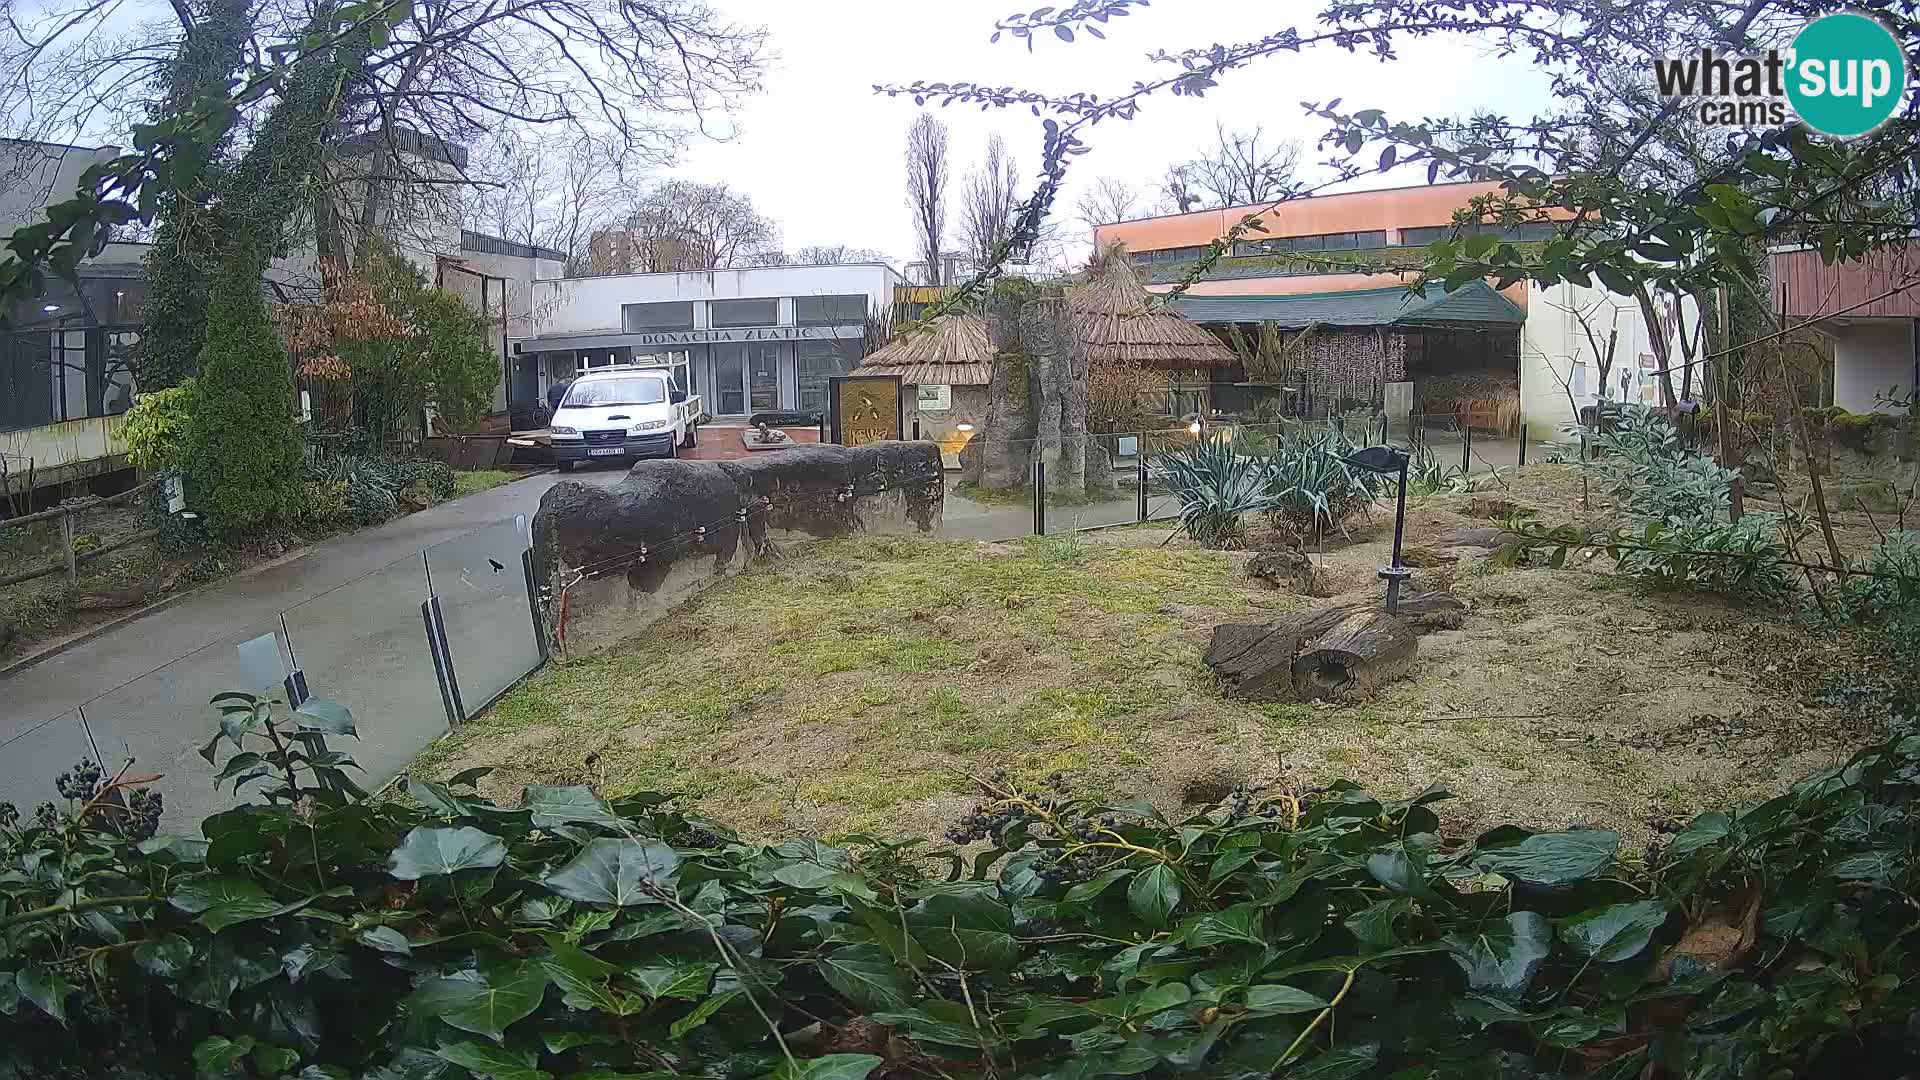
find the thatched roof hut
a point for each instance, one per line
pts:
(954, 349)
(1115, 318)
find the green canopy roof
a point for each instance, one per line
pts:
(1473, 304)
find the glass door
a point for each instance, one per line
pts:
(730, 379)
(764, 369)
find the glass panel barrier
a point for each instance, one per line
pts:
(482, 587)
(31, 758)
(365, 646)
(162, 719)
(1000, 510)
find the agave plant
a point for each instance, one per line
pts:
(1310, 487)
(1216, 482)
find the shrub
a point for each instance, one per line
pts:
(1891, 585)
(1310, 487)
(1216, 483)
(1328, 933)
(156, 427)
(243, 455)
(1651, 475)
(365, 489)
(1744, 560)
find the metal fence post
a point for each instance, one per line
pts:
(1039, 496)
(1466, 448)
(1523, 444)
(533, 604)
(1140, 503)
(442, 660)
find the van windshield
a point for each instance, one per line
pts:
(638, 390)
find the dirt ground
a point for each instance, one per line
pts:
(852, 686)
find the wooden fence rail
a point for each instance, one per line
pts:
(71, 559)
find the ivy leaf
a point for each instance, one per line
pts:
(494, 1062)
(1094, 886)
(218, 1054)
(967, 927)
(438, 798)
(1153, 895)
(618, 872)
(1504, 956)
(1373, 928)
(688, 982)
(1876, 865)
(1552, 860)
(386, 939)
(430, 852)
(701, 1014)
(45, 989)
(1616, 932)
(865, 975)
(1238, 925)
(183, 850)
(552, 806)
(1339, 1063)
(163, 957)
(831, 1067)
(1273, 999)
(274, 1060)
(483, 1002)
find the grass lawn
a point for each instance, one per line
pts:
(851, 686)
(467, 483)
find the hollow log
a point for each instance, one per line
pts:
(1349, 657)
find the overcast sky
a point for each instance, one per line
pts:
(821, 153)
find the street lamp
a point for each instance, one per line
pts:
(1387, 460)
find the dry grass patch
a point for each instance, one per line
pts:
(851, 686)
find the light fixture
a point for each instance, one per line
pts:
(1193, 428)
(50, 308)
(963, 427)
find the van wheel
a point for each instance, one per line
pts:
(565, 466)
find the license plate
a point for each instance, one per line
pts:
(606, 451)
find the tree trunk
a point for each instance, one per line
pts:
(1037, 324)
(1002, 460)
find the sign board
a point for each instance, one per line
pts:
(936, 397)
(1648, 362)
(866, 408)
(756, 333)
(1398, 399)
(176, 495)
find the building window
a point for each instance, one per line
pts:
(829, 310)
(820, 361)
(644, 318)
(1525, 231)
(729, 313)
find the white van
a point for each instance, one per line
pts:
(620, 413)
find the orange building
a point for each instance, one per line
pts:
(1465, 352)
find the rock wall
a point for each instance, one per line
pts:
(612, 561)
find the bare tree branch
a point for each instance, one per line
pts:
(927, 190)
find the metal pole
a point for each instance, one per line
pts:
(1140, 502)
(1399, 533)
(1523, 445)
(1466, 448)
(916, 427)
(1039, 497)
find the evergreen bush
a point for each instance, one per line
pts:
(243, 448)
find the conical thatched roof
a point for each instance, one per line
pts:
(1113, 318)
(953, 349)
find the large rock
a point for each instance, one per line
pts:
(613, 560)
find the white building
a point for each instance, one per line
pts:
(746, 341)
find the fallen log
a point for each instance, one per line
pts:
(1349, 656)
(1340, 653)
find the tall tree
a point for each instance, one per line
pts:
(987, 202)
(927, 190)
(1242, 168)
(836, 255)
(686, 225)
(1177, 194)
(1108, 200)
(552, 189)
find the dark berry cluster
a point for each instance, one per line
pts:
(142, 819)
(9, 815)
(80, 783)
(46, 816)
(988, 820)
(1068, 866)
(1007, 804)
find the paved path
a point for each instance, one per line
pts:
(357, 632)
(349, 608)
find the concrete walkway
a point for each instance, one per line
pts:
(146, 682)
